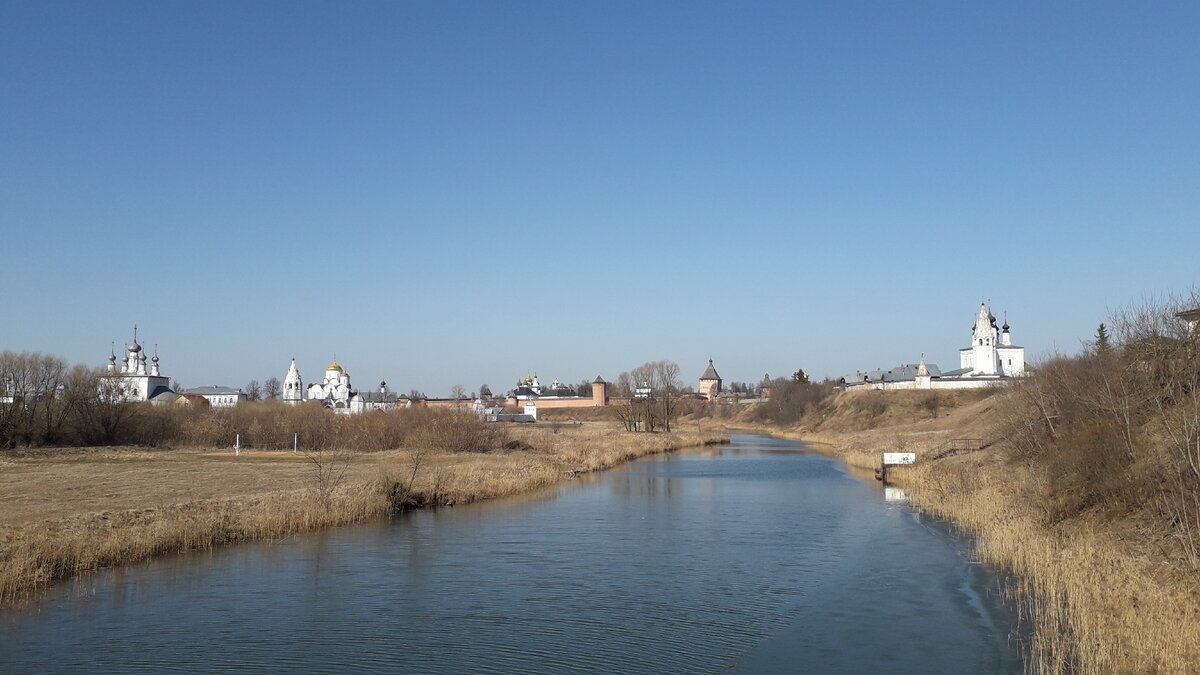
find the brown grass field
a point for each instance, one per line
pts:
(1100, 595)
(68, 511)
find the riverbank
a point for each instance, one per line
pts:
(1102, 592)
(69, 511)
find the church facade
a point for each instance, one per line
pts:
(992, 352)
(132, 380)
(337, 393)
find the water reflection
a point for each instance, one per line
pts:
(757, 557)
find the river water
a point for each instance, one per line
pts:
(751, 557)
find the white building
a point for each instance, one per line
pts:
(991, 353)
(219, 397)
(293, 386)
(1192, 318)
(337, 393)
(133, 381)
(991, 358)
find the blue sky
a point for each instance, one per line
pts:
(445, 193)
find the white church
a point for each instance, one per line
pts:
(336, 393)
(133, 380)
(990, 359)
(991, 354)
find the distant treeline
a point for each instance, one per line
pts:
(53, 404)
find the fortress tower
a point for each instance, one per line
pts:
(599, 391)
(710, 383)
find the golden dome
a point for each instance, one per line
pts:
(334, 366)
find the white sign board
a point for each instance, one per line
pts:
(892, 458)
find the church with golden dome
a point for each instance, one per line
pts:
(336, 392)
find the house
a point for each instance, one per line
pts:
(219, 397)
(1192, 318)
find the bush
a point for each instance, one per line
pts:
(1117, 429)
(791, 401)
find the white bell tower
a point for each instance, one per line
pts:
(983, 343)
(293, 387)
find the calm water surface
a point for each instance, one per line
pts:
(751, 557)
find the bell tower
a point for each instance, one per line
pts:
(293, 387)
(983, 342)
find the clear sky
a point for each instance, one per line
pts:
(459, 193)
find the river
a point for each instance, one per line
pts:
(751, 557)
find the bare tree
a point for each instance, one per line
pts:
(399, 489)
(666, 380)
(104, 406)
(458, 392)
(272, 389)
(176, 386)
(623, 386)
(253, 391)
(658, 405)
(31, 386)
(329, 470)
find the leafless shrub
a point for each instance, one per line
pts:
(1118, 427)
(329, 471)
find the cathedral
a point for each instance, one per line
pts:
(991, 352)
(335, 392)
(136, 382)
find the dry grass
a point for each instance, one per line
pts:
(69, 512)
(1100, 599)
(1103, 593)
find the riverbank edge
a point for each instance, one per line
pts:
(55, 551)
(1088, 601)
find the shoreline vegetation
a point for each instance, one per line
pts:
(1095, 593)
(1086, 489)
(71, 511)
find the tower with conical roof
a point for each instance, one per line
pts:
(710, 382)
(293, 386)
(981, 356)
